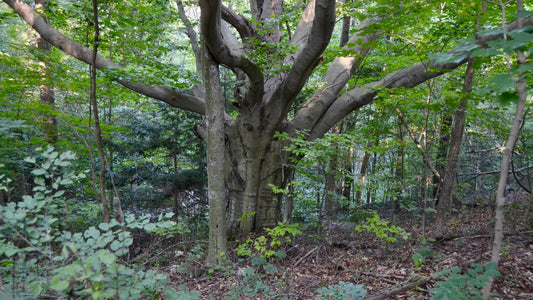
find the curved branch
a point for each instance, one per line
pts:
(321, 17)
(212, 32)
(319, 115)
(69, 46)
(238, 21)
(337, 75)
(358, 97)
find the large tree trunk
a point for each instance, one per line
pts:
(249, 171)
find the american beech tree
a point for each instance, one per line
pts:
(266, 99)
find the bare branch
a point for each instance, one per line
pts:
(338, 74)
(212, 32)
(322, 21)
(238, 21)
(69, 46)
(190, 32)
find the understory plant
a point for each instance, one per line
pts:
(457, 286)
(342, 291)
(272, 243)
(42, 257)
(382, 229)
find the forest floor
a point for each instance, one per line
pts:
(314, 261)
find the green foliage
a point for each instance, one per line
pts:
(251, 287)
(40, 258)
(382, 229)
(419, 258)
(342, 291)
(464, 286)
(256, 282)
(266, 246)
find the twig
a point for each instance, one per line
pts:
(388, 293)
(305, 256)
(286, 295)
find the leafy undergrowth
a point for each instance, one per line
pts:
(347, 259)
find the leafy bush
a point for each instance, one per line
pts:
(266, 245)
(342, 291)
(382, 229)
(464, 286)
(41, 258)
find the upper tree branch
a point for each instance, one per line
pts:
(408, 78)
(211, 28)
(69, 46)
(238, 21)
(337, 75)
(320, 15)
(193, 38)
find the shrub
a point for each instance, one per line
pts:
(40, 258)
(269, 245)
(464, 286)
(342, 291)
(382, 229)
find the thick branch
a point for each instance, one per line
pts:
(358, 97)
(238, 21)
(212, 32)
(69, 46)
(335, 79)
(318, 37)
(408, 78)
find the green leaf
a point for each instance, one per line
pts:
(492, 269)
(115, 245)
(502, 82)
(38, 172)
(507, 98)
(103, 226)
(39, 181)
(107, 257)
(92, 232)
(58, 284)
(258, 260)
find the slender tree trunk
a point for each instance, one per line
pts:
(442, 152)
(46, 91)
(529, 212)
(94, 105)
(345, 33)
(521, 89)
(399, 169)
(331, 182)
(362, 173)
(448, 180)
(348, 174)
(215, 162)
(370, 188)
